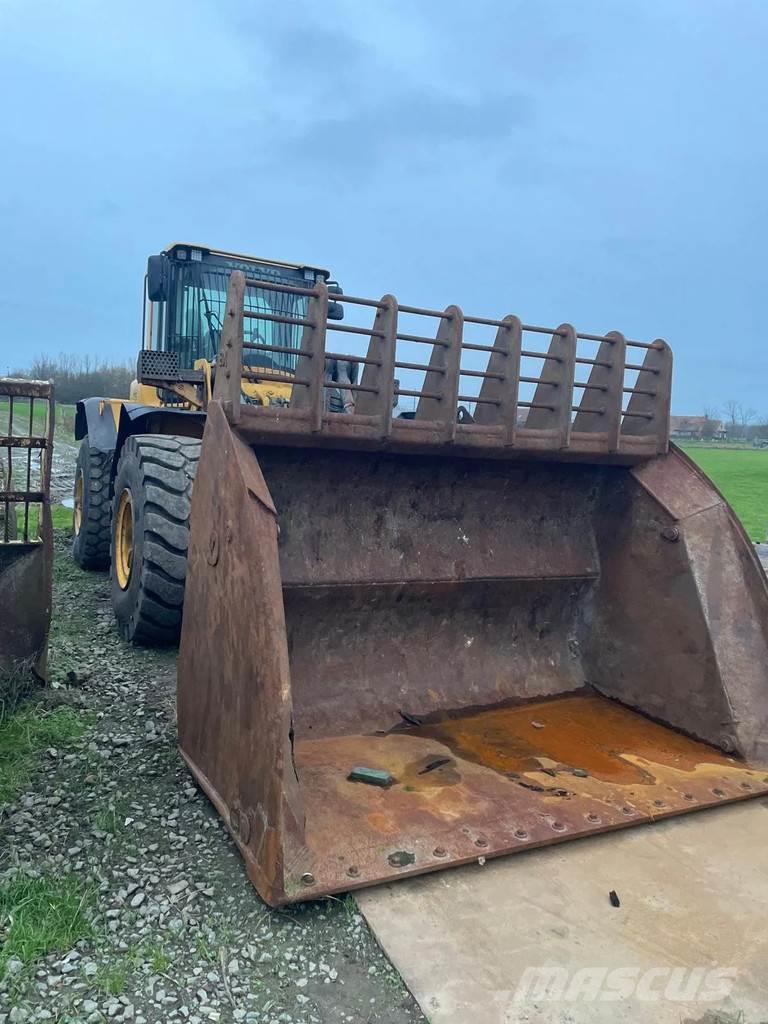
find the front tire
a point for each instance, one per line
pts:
(150, 535)
(91, 522)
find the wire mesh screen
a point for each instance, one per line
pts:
(26, 428)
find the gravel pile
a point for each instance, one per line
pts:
(178, 932)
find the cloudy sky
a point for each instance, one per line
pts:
(597, 162)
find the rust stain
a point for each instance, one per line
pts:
(582, 733)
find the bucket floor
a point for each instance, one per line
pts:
(498, 781)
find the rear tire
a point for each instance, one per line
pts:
(150, 535)
(92, 493)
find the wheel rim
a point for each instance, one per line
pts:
(78, 516)
(124, 539)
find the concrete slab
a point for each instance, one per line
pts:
(694, 898)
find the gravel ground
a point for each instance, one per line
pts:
(179, 934)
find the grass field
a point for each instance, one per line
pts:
(742, 476)
(65, 417)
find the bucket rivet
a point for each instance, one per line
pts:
(746, 785)
(438, 851)
(688, 796)
(558, 826)
(353, 871)
(659, 803)
(718, 792)
(481, 842)
(670, 533)
(593, 817)
(627, 810)
(520, 833)
(307, 878)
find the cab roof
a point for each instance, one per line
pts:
(251, 259)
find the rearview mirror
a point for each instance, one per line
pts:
(157, 279)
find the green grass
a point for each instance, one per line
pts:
(112, 978)
(64, 417)
(42, 915)
(111, 819)
(25, 735)
(61, 517)
(154, 953)
(742, 476)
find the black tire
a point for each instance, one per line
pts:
(90, 543)
(158, 472)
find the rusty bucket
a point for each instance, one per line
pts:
(408, 651)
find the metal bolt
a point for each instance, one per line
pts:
(558, 826)
(659, 803)
(593, 817)
(520, 833)
(353, 871)
(718, 792)
(670, 533)
(627, 810)
(746, 785)
(481, 842)
(688, 796)
(439, 851)
(307, 878)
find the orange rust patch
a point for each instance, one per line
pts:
(590, 733)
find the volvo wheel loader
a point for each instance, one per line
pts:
(415, 641)
(138, 457)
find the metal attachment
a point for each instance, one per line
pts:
(308, 878)
(671, 533)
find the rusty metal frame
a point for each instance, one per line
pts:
(26, 535)
(504, 425)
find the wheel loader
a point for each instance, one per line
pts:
(489, 609)
(138, 457)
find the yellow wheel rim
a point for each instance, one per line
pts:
(124, 539)
(78, 516)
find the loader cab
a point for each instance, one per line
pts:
(185, 292)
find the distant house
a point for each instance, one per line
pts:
(696, 428)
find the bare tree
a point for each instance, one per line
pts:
(711, 421)
(79, 377)
(747, 416)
